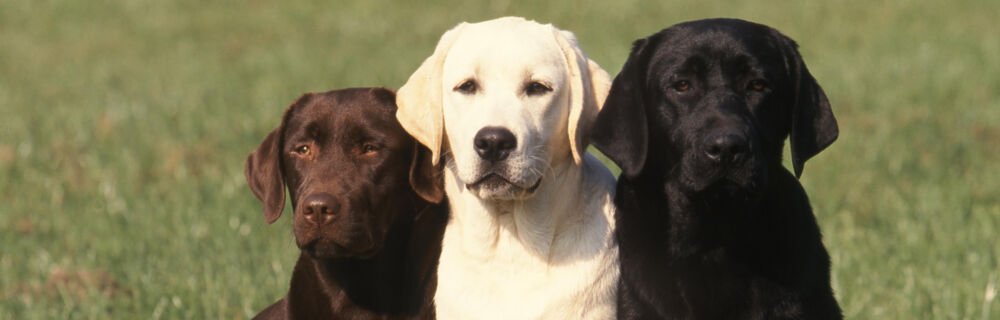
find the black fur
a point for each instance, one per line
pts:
(709, 223)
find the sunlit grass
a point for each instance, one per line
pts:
(124, 126)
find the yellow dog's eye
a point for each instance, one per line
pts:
(757, 85)
(536, 88)
(467, 87)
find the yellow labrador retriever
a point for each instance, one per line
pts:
(507, 104)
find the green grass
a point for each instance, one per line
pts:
(124, 126)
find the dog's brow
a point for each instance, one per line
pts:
(365, 132)
(312, 129)
(694, 65)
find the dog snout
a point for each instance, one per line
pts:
(320, 208)
(726, 147)
(494, 143)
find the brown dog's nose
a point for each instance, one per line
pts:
(725, 147)
(494, 143)
(319, 208)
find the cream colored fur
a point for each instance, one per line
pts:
(517, 252)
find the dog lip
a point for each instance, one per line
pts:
(530, 189)
(535, 187)
(329, 249)
(309, 247)
(488, 177)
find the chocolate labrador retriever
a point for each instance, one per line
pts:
(709, 223)
(365, 200)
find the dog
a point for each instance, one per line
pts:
(710, 225)
(363, 196)
(507, 106)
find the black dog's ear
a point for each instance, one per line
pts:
(263, 168)
(813, 126)
(620, 130)
(425, 177)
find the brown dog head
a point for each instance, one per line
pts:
(352, 172)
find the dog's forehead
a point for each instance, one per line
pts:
(723, 32)
(718, 42)
(507, 48)
(345, 110)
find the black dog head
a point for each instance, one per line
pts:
(352, 172)
(710, 103)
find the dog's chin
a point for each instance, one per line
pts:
(324, 249)
(497, 188)
(743, 181)
(731, 189)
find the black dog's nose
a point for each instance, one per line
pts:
(726, 147)
(319, 208)
(494, 143)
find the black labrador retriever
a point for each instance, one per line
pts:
(710, 225)
(364, 198)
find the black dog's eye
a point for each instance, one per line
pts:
(757, 85)
(682, 86)
(302, 149)
(467, 87)
(536, 88)
(368, 148)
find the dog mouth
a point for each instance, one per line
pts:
(323, 249)
(743, 177)
(495, 181)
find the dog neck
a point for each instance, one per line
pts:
(530, 225)
(697, 222)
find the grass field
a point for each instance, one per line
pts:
(124, 126)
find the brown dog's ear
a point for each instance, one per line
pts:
(263, 168)
(425, 177)
(384, 96)
(620, 130)
(813, 126)
(419, 99)
(589, 86)
(263, 173)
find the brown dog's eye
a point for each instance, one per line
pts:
(302, 150)
(682, 86)
(467, 87)
(757, 85)
(536, 88)
(368, 148)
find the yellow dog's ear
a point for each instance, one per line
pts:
(419, 99)
(589, 85)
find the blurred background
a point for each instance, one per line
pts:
(124, 126)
